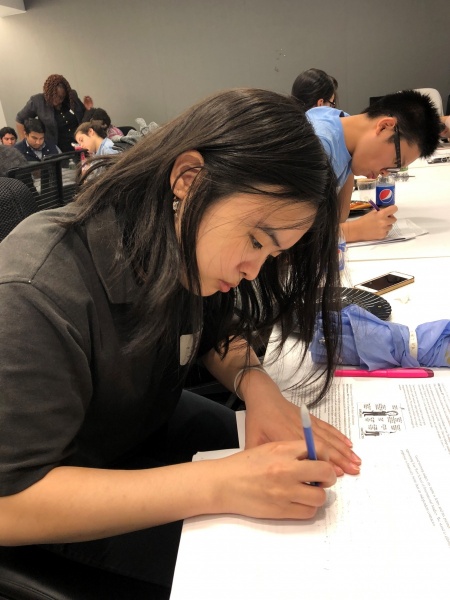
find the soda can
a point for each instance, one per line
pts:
(385, 191)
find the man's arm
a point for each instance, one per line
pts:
(345, 196)
(375, 225)
(20, 131)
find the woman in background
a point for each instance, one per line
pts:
(314, 87)
(99, 114)
(92, 137)
(59, 108)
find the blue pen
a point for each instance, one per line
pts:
(374, 205)
(306, 422)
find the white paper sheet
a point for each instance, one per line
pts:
(404, 229)
(384, 534)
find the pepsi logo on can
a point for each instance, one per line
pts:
(385, 194)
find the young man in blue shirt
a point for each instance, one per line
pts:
(390, 134)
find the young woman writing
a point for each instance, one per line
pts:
(111, 299)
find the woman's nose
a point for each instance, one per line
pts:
(251, 268)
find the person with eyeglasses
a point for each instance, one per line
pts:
(388, 135)
(314, 87)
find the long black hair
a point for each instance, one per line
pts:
(313, 85)
(251, 140)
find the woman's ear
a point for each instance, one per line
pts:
(319, 102)
(184, 171)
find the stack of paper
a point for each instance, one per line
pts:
(403, 229)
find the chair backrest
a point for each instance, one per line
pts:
(52, 181)
(16, 203)
(435, 97)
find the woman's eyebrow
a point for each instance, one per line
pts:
(271, 233)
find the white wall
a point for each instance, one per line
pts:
(11, 7)
(153, 58)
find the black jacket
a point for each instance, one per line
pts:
(48, 149)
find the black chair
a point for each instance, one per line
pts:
(53, 182)
(16, 203)
(33, 573)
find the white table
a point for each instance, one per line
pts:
(427, 299)
(233, 558)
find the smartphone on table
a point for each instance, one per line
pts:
(385, 283)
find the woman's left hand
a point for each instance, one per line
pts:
(270, 417)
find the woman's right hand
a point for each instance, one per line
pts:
(73, 504)
(271, 481)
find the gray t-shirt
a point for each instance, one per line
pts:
(69, 395)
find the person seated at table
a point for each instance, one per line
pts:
(314, 87)
(35, 146)
(99, 114)
(110, 300)
(92, 137)
(59, 108)
(388, 135)
(8, 137)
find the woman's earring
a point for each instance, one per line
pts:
(176, 204)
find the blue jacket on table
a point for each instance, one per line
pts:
(48, 149)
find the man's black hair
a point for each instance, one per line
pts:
(417, 118)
